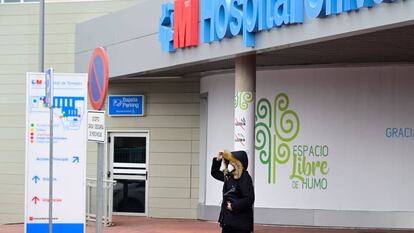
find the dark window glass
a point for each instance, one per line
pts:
(129, 196)
(130, 150)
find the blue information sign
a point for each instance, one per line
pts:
(128, 105)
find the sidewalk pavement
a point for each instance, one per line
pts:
(152, 225)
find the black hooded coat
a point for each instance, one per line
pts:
(239, 192)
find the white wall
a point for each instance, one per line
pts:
(347, 109)
(220, 89)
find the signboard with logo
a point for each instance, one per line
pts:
(326, 139)
(130, 105)
(70, 104)
(220, 19)
(336, 139)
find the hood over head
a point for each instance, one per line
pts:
(238, 159)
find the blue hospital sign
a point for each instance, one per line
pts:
(219, 19)
(130, 105)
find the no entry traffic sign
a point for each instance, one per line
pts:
(98, 77)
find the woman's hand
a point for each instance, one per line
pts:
(229, 206)
(219, 157)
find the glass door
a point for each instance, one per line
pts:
(129, 159)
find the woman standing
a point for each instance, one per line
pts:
(236, 214)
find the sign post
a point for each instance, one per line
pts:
(49, 103)
(51, 203)
(98, 78)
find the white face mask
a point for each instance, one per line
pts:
(222, 166)
(230, 168)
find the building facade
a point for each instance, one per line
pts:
(318, 92)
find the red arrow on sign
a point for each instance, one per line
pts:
(35, 199)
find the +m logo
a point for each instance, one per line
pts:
(37, 82)
(179, 26)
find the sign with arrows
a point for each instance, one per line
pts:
(35, 200)
(36, 179)
(75, 159)
(69, 153)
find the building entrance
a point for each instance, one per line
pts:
(128, 166)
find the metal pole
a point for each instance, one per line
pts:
(41, 69)
(41, 35)
(99, 187)
(51, 170)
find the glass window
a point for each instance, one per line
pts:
(130, 150)
(10, 1)
(129, 196)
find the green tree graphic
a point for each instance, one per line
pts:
(275, 128)
(243, 99)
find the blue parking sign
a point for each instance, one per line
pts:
(126, 105)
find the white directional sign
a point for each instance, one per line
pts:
(96, 126)
(69, 156)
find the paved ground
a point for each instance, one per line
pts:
(149, 225)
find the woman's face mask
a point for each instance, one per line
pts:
(230, 168)
(222, 165)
